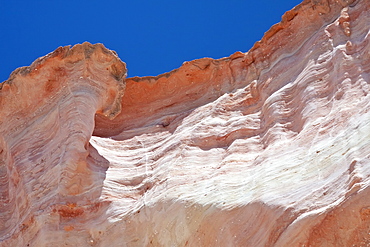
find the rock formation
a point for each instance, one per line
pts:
(264, 148)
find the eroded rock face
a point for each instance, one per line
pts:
(266, 148)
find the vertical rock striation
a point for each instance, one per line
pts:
(47, 119)
(266, 148)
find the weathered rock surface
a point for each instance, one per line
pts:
(266, 148)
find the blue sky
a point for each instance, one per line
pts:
(152, 37)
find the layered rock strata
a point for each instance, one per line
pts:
(264, 148)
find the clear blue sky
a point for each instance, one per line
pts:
(152, 37)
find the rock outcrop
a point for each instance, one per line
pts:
(264, 148)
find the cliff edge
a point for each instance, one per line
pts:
(264, 148)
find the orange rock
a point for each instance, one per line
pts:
(266, 148)
(68, 228)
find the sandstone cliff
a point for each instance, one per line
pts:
(266, 148)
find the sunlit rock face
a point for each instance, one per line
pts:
(264, 148)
